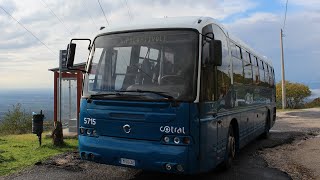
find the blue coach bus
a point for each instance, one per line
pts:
(177, 95)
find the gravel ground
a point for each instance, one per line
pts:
(300, 159)
(289, 153)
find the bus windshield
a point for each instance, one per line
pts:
(149, 64)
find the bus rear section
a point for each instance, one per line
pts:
(137, 96)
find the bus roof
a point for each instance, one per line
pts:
(193, 22)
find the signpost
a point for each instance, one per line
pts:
(58, 133)
(62, 65)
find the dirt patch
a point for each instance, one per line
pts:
(311, 160)
(67, 161)
(300, 159)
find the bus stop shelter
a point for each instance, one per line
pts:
(69, 99)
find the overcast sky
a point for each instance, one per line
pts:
(24, 61)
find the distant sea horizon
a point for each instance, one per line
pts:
(31, 100)
(25, 89)
(315, 93)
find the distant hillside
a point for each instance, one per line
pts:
(31, 101)
(315, 93)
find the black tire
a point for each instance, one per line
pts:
(230, 149)
(266, 133)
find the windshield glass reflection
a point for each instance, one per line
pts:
(156, 61)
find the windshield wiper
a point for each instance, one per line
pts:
(163, 94)
(120, 94)
(104, 94)
(101, 95)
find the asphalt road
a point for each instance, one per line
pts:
(250, 164)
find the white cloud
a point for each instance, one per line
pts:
(257, 17)
(310, 4)
(262, 31)
(27, 60)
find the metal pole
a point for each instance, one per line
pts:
(60, 79)
(69, 99)
(284, 102)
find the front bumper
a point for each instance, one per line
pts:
(147, 155)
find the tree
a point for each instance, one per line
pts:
(16, 121)
(295, 94)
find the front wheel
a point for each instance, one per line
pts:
(230, 149)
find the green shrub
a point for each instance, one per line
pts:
(16, 121)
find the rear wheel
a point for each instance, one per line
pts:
(266, 133)
(230, 149)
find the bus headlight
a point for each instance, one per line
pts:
(166, 139)
(176, 140)
(94, 133)
(81, 130)
(88, 132)
(168, 167)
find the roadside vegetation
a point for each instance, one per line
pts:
(296, 94)
(18, 121)
(19, 148)
(20, 151)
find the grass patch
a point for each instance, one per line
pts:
(20, 151)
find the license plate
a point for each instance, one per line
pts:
(129, 162)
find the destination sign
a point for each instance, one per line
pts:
(143, 39)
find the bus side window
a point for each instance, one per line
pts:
(274, 78)
(266, 73)
(239, 52)
(247, 68)
(261, 71)
(233, 50)
(255, 70)
(270, 76)
(224, 71)
(207, 81)
(237, 67)
(207, 73)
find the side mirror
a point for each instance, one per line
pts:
(215, 53)
(71, 50)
